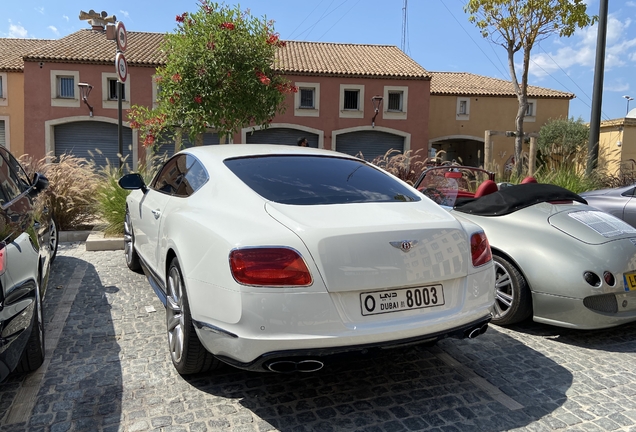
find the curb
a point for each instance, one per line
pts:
(73, 236)
(97, 242)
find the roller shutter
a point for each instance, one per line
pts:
(3, 139)
(93, 140)
(284, 136)
(370, 143)
(167, 149)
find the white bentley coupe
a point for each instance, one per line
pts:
(274, 258)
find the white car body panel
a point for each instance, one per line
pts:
(346, 248)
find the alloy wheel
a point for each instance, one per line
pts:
(504, 293)
(174, 315)
(128, 239)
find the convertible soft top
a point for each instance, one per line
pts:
(512, 198)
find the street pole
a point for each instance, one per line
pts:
(597, 95)
(120, 140)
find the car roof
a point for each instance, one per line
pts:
(218, 153)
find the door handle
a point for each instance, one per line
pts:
(156, 213)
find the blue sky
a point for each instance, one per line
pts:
(438, 36)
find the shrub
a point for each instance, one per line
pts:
(406, 166)
(71, 191)
(111, 199)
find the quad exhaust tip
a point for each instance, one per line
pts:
(289, 366)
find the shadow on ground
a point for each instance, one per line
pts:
(620, 339)
(406, 389)
(82, 387)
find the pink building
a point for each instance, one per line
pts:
(334, 109)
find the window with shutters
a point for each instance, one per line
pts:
(463, 108)
(64, 90)
(395, 102)
(3, 89)
(531, 111)
(3, 140)
(307, 99)
(109, 91)
(352, 101)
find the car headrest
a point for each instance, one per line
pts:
(487, 187)
(529, 179)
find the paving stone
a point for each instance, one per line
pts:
(111, 371)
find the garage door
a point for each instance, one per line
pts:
(94, 141)
(168, 148)
(370, 143)
(284, 136)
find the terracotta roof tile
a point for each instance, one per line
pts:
(305, 58)
(12, 51)
(463, 83)
(90, 46)
(348, 60)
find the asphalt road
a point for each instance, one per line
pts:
(108, 369)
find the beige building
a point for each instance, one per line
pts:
(12, 91)
(464, 106)
(617, 145)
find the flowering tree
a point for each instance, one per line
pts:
(219, 73)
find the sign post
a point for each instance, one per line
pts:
(122, 74)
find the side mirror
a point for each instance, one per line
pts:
(132, 181)
(40, 182)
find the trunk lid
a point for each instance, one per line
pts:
(371, 246)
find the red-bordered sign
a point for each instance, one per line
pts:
(121, 36)
(122, 67)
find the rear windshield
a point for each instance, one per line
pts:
(312, 180)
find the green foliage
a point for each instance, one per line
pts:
(517, 25)
(71, 191)
(527, 21)
(219, 71)
(563, 142)
(569, 177)
(111, 199)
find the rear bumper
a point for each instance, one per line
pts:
(573, 313)
(324, 354)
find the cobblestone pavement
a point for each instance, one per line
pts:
(108, 369)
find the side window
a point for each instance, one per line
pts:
(170, 176)
(9, 181)
(196, 175)
(22, 176)
(181, 176)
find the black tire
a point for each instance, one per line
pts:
(132, 258)
(513, 300)
(186, 351)
(54, 238)
(33, 355)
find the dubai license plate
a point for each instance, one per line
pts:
(379, 302)
(630, 281)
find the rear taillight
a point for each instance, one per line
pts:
(480, 249)
(269, 267)
(3, 258)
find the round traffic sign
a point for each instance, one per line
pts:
(122, 38)
(122, 67)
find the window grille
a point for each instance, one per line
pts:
(351, 99)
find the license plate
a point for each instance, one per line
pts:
(630, 281)
(379, 302)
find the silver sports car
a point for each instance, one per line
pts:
(619, 202)
(557, 259)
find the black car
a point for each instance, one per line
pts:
(28, 244)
